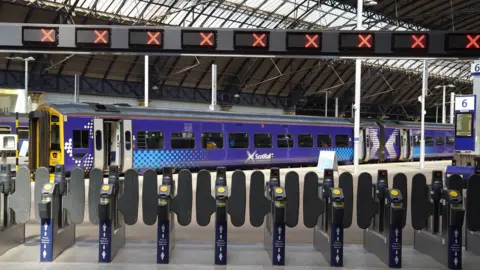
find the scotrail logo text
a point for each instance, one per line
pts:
(252, 157)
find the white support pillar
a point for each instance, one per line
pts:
(146, 82)
(336, 107)
(76, 93)
(358, 84)
(26, 87)
(444, 107)
(452, 107)
(326, 103)
(422, 127)
(214, 88)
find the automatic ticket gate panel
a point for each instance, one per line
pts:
(313, 206)
(42, 177)
(20, 200)
(365, 204)
(473, 204)
(76, 194)
(204, 203)
(128, 200)
(238, 199)
(293, 199)
(259, 204)
(345, 182)
(182, 204)
(94, 186)
(149, 197)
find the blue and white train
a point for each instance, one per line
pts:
(96, 136)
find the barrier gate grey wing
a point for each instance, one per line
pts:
(75, 194)
(312, 204)
(238, 199)
(20, 200)
(94, 186)
(292, 191)
(182, 203)
(42, 177)
(259, 205)
(149, 197)
(128, 200)
(204, 201)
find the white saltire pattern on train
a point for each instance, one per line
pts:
(389, 145)
(375, 142)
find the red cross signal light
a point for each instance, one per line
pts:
(207, 39)
(364, 40)
(473, 41)
(153, 38)
(101, 36)
(48, 35)
(418, 41)
(259, 40)
(312, 41)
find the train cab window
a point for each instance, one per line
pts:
(55, 137)
(4, 130)
(439, 140)
(450, 140)
(55, 119)
(341, 141)
(262, 140)
(284, 141)
(150, 140)
(23, 133)
(428, 141)
(128, 140)
(305, 140)
(324, 140)
(183, 140)
(80, 138)
(238, 140)
(212, 140)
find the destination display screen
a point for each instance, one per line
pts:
(464, 125)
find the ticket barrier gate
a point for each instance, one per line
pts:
(160, 202)
(221, 204)
(387, 209)
(437, 218)
(329, 209)
(59, 207)
(270, 200)
(112, 206)
(472, 237)
(15, 206)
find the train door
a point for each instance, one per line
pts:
(39, 146)
(113, 144)
(364, 144)
(405, 145)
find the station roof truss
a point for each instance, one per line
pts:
(388, 86)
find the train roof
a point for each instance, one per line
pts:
(119, 110)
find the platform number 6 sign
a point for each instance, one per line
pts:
(464, 103)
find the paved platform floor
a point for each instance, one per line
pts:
(194, 249)
(142, 255)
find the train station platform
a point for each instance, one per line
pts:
(194, 244)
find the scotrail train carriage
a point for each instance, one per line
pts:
(96, 136)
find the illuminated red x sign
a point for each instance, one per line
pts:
(418, 41)
(153, 38)
(48, 35)
(206, 39)
(259, 40)
(473, 41)
(101, 37)
(365, 41)
(312, 41)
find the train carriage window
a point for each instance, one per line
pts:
(450, 140)
(284, 141)
(150, 140)
(98, 140)
(324, 140)
(416, 140)
(262, 140)
(341, 141)
(238, 140)
(5, 130)
(80, 138)
(439, 140)
(305, 140)
(428, 140)
(55, 119)
(212, 140)
(128, 140)
(23, 133)
(183, 140)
